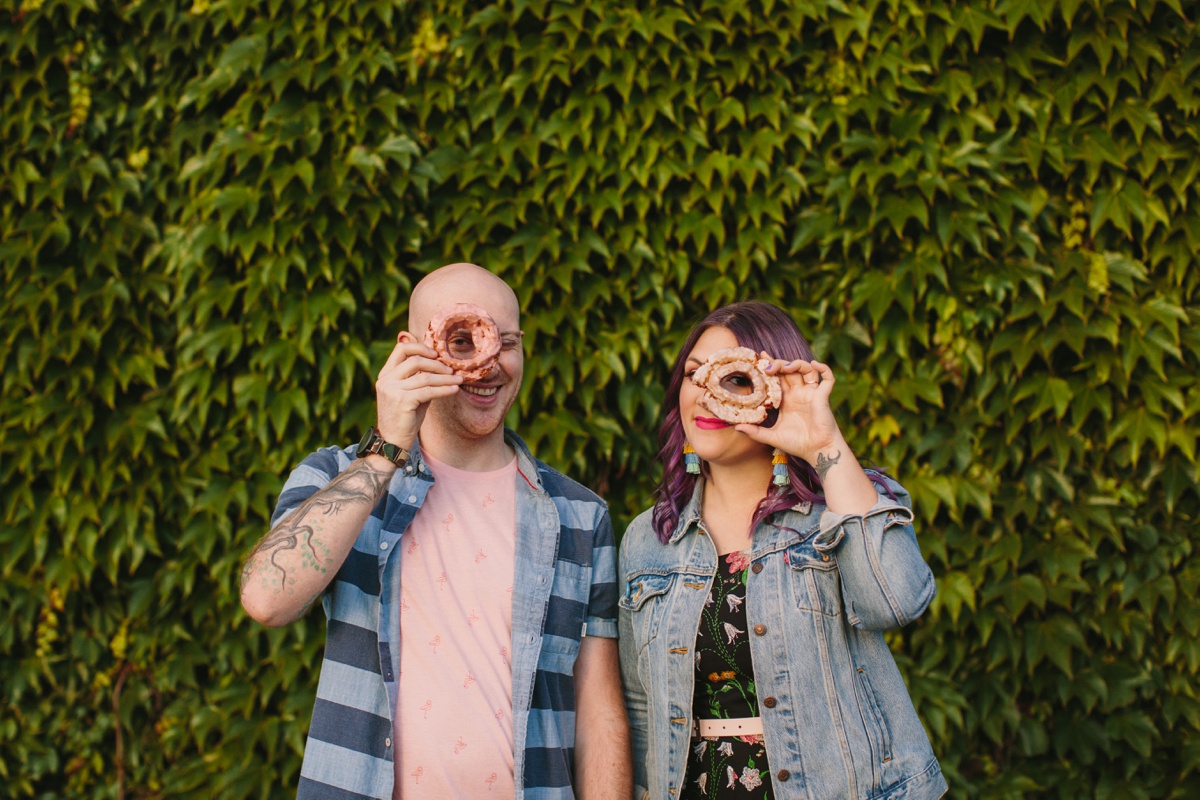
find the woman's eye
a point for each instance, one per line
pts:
(737, 384)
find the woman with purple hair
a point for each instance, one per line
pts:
(757, 588)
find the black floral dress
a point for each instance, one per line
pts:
(729, 766)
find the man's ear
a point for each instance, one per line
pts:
(405, 336)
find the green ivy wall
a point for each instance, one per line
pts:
(984, 213)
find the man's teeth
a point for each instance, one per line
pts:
(478, 392)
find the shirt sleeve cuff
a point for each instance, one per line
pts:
(601, 627)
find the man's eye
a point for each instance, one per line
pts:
(510, 343)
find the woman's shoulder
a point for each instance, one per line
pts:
(641, 526)
(640, 534)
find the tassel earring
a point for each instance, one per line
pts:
(779, 470)
(691, 461)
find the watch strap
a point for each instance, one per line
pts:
(373, 444)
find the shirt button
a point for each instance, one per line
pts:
(412, 498)
(383, 545)
(824, 558)
(760, 629)
(769, 702)
(756, 568)
(387, 742)
(783, 775)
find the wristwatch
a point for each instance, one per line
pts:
(372, 443)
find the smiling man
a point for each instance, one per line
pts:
(470, 589)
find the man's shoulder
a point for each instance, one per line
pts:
(331, 459)
(559, 485)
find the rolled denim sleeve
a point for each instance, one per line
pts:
(885, 580)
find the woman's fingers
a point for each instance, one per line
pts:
(755, 432)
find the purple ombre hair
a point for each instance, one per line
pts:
(761, 327)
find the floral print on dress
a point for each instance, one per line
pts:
(726, 767)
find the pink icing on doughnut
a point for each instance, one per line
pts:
(445, 336)
(765, 392)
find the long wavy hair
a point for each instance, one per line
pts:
(760, 327)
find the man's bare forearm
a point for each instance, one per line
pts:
(290, 567)
(603, 767)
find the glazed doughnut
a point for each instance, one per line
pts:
(485, 339)
(765, 391)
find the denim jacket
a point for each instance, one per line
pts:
(822, 587)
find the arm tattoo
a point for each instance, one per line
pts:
(358, 485)
(825, 464)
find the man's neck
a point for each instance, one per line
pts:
(471, 455)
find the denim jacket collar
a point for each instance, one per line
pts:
(689, 515)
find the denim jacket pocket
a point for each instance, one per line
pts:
(873, 718)
(644, 600)
(814, 579)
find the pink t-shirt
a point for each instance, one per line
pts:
(453, 727)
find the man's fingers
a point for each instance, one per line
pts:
(396, 384)
(421, 365)
(407, 350)
(416, 364)
(398, 354)
(432, 392)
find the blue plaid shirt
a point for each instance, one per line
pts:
(564, 585)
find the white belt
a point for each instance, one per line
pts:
(713, 728)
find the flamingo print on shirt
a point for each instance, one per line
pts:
(458, 569)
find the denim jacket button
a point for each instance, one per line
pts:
(756, 568)
(769, 702)
(760, 629)
(783, 775)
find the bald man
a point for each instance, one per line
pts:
(470, 590)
